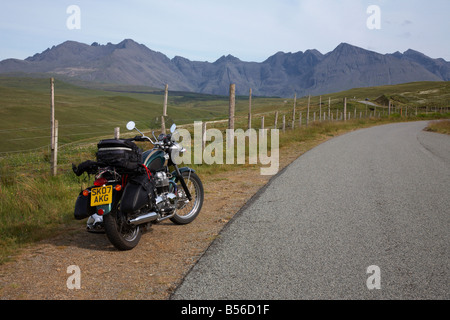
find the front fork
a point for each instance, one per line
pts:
(178, 175)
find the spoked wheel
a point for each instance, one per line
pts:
(187, 210)
(121, 234)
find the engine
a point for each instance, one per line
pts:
(166, 199)
(162, 182)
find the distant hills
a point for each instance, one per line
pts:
(282, 74)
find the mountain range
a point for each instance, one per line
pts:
(282, 74)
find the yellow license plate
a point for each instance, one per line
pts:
(101, 196)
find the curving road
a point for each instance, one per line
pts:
(373, 197)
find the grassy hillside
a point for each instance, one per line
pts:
(84, 113)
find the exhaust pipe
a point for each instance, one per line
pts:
(148, 217)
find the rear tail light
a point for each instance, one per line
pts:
(100, 212)
(100, 182)
(85, 192)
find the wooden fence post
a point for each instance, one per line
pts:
(166, 96)
(250, 109)
(276, 120)
(284, 122)
(307, 113)
(53, 124)
(117, 133)
(329, 108)
(232, 106)
(293, 120)
(293, 111)
(163, 121)
(262, 122)
(345, 109)
(52, 113)
(54, 164)
(320, 108)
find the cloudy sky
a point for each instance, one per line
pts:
(251, 30)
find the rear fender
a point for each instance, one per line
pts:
(107, 208)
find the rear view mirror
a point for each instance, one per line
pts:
(131, 125)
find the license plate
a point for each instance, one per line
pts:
(101, 196)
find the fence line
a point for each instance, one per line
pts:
(74, 150)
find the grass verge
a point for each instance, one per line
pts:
(441, 126)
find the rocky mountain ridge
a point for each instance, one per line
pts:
(282, 74)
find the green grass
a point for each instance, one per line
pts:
(442, 126)
(83, 113)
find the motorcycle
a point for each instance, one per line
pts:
(134, 189)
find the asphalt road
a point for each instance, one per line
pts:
(373, 197)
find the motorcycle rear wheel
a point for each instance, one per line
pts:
(121, 234)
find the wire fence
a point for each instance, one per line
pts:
(77, 141)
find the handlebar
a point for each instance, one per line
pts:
(160, 140)
(140, 139)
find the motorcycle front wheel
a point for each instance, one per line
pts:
(119, 232)
(187, 210)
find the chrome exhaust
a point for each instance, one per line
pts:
(145, 218)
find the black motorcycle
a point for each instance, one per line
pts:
(133, 189)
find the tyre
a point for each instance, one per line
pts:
(187, 210)
(120, 233)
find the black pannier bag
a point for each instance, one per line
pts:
(140, 190)
(83, 208)
(124, 155)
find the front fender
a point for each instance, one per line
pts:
(184, 169)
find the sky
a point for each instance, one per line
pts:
(205, 30)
